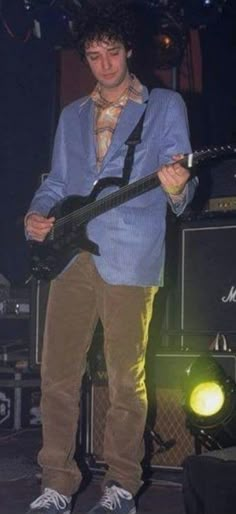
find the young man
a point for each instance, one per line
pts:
(118, 286)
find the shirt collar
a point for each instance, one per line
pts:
(133, 92)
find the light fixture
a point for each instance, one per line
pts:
(169, 39)
(210, 403)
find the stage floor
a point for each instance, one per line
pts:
(20, 480)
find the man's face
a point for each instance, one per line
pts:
(108, 63)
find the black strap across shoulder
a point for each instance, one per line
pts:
(133, 139)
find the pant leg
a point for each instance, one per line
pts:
(70, 323)
(126, 312)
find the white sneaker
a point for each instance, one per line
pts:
(51, 502)
(115, 500)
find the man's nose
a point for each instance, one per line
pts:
(106, 63)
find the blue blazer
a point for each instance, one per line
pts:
(131, 237)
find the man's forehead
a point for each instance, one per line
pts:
(103, 43)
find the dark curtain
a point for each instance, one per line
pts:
(218, 43)
(28, 108)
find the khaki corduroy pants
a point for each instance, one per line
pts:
(78, 297)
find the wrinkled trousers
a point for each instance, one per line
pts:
(77, 298)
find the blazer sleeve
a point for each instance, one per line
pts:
(175, 139)
(53, 188)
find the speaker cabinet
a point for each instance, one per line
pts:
(208, 281)
(203, 303)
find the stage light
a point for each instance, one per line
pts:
(169, 46)
(210, 403)
(163, 31)
(169, 38)
(207, 399)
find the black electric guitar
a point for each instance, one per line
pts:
(68, 235)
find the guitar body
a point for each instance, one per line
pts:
(51, 256)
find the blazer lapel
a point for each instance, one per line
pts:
(86, 136)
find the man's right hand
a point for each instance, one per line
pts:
(38, 226)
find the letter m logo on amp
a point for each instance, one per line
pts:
(230, 296)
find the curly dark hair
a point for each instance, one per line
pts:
(106, 19)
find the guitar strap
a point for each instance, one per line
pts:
(133, 139)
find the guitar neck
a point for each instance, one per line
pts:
(124, 194)
(143, 185)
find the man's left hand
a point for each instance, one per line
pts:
(173, 177)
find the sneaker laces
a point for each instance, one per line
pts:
(112, 497)
(49, 497)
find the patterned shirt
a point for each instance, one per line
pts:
(107, 114)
